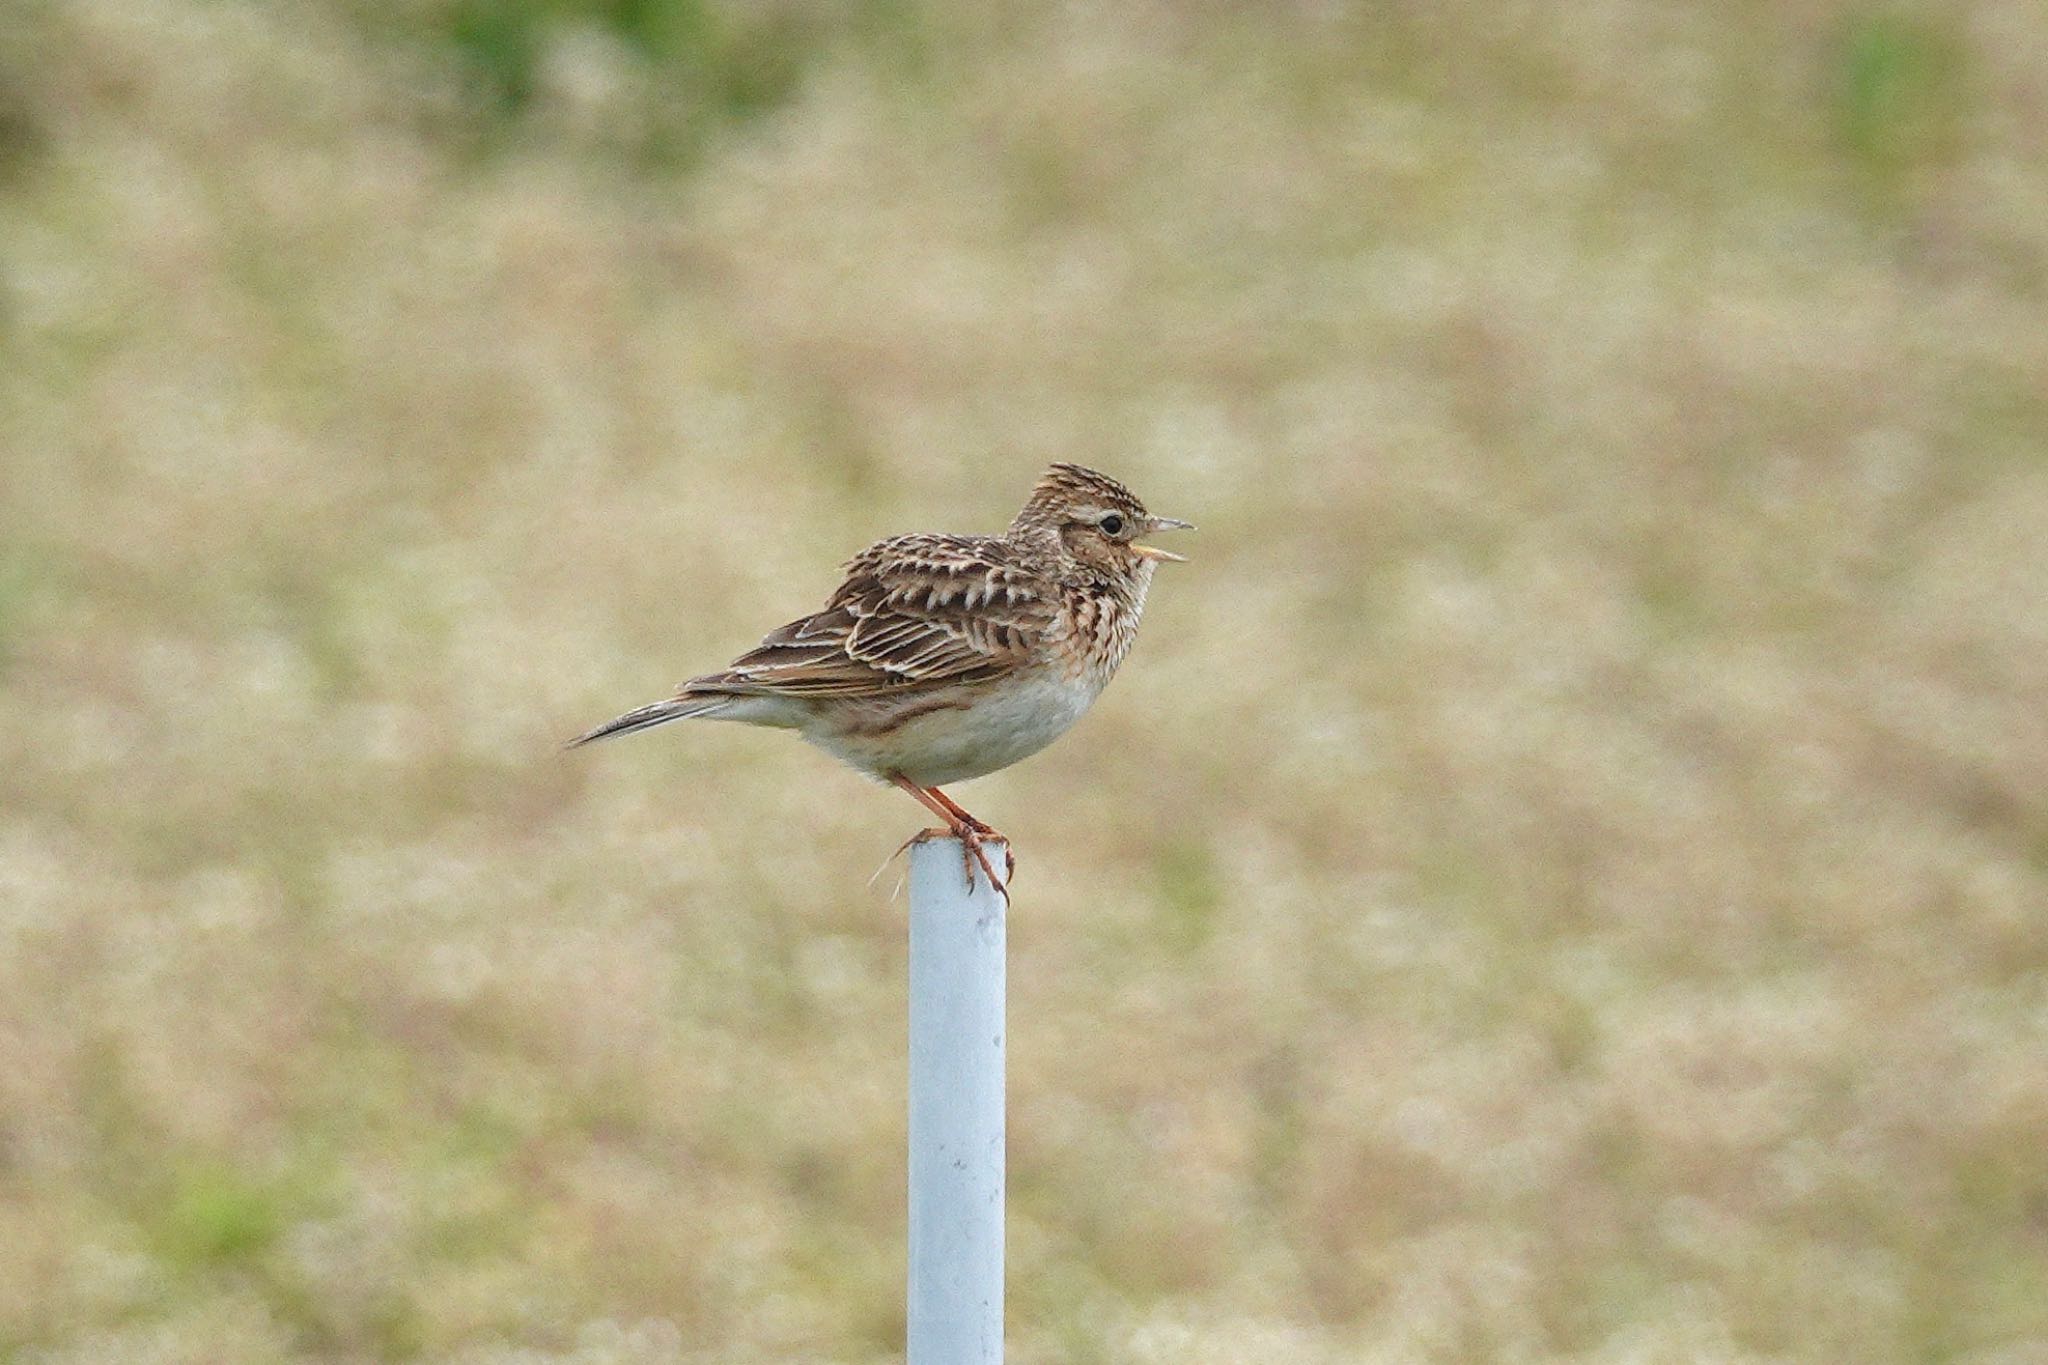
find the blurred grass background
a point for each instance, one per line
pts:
(1562, 876)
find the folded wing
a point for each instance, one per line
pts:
(914, 612)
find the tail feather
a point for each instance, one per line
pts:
(647, 717)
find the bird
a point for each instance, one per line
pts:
(943, 658)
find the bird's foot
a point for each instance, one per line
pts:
(973, 832)
(922, 836)
(960, 825)
(972, 836)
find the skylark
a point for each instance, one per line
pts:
(944, 658)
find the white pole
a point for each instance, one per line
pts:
(957, 940)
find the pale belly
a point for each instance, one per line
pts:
(954, 743)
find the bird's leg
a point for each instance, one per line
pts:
(961, 826)
(958, 810)
(982, 828)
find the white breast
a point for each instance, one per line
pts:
(995, 727)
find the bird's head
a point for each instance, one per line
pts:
(1095, 520)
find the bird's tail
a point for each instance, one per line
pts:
(647, 717)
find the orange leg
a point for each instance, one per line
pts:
(982, 828)
(954, 806)
(962, 826)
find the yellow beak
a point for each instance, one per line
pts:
(1153, 552)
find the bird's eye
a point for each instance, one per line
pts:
(1112, 525)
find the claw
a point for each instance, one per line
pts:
(970, 843)
(964, 827)
(904, 847)
(972, 855)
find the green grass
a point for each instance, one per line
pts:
(1560, 877)
(1901, 91)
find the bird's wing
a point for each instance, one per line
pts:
(914, 611)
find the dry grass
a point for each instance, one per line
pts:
(1563, 876)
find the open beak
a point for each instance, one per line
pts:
(1153, 552)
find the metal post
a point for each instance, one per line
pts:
(957, 969)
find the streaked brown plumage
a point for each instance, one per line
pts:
(942, 658)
